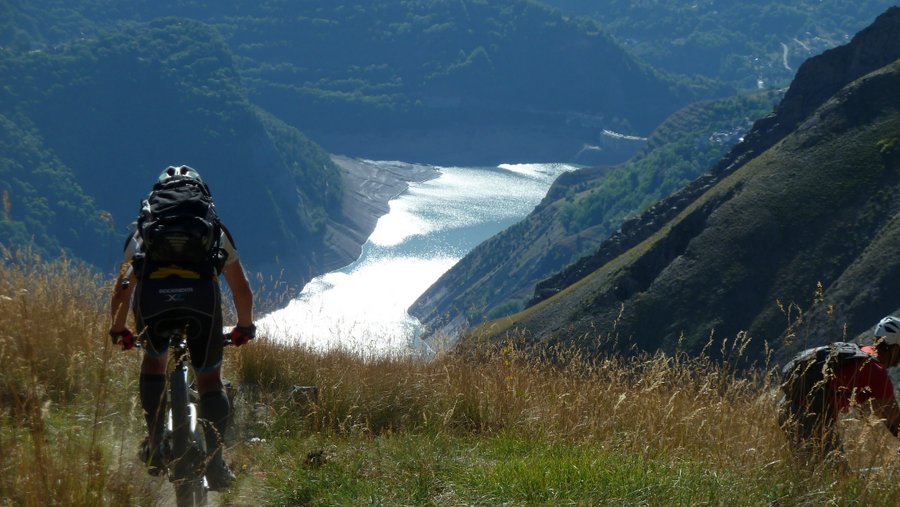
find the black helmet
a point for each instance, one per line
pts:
(183, 170)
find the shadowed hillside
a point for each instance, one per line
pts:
(745, 43)
(442, 82)
(110, 113)
(807, 198)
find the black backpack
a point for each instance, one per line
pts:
(178, 225)
(809, 371)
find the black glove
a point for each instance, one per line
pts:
(125, 338)
(242, 334)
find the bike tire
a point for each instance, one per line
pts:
(190, 493)
(187, 444)
(178, 404)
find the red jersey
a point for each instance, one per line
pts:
(859, 381)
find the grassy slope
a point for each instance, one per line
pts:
(798, 214)
(499, 427)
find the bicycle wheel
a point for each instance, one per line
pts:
(188, 446)
(190, 493)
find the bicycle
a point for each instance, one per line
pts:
(185, 459)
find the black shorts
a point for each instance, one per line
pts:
(171, 306)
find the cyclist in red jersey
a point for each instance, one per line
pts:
(809, 411)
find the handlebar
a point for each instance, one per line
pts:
(139, 343)
(178, 341)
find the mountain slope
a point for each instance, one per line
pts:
(442, 82)
(807, 198)
(102, 94)
(581, 210)
(113, 111)
(744, 43)
(42, 203)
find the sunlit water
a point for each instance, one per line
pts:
(429, 228)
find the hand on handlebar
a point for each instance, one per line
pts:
(124, 337)
(242, 334)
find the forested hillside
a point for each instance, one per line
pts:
(42, 201)
(104, 94)
(748, 44)
(90, 123)
(790, 238)
(436, 81)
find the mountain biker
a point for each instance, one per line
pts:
(809, 411)
(174, 299)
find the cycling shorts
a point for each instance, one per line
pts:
(172, 306)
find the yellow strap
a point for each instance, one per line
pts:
(174, 271)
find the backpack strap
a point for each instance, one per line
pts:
(178, 180)
(128, 240)
(219, 256)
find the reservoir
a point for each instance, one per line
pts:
(430, 227)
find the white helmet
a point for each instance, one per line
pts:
(183, 171)
(889, 328)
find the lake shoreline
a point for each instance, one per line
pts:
(407, 245)
(368, 188)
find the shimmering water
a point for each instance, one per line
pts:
(362, 307)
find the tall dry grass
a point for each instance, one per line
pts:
(649, 403)
(69, 421)
(678, 409)
(67, 416)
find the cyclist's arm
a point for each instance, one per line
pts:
(121, 298)
(240, 291)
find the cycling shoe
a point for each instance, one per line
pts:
(218, 475)
(156, 460)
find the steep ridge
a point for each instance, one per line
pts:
(816, 81)
(806, 199)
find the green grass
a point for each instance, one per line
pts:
(509, 469)
(493, 470)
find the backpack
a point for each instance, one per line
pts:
(178, 224)
(809, 371)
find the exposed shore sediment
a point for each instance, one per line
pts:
(368, 187)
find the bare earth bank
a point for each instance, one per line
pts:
(368, 187)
